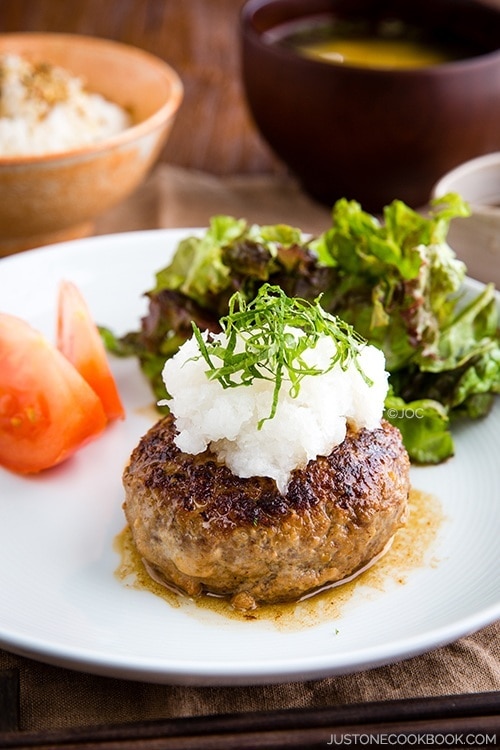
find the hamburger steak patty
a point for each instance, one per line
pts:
(200, 528)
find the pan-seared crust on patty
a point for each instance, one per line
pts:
(201, 528)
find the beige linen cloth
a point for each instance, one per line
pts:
(53, 697)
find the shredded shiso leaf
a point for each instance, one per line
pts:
(271, 351)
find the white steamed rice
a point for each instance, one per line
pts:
(304, 427)
(43, 109)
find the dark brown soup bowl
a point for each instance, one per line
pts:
(374, 134)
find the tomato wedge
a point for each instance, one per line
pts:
(79, 340)
(47, 410)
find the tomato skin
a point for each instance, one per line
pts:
(47, 410)
(79, 340)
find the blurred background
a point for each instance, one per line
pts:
(215, 160)
(199, 38)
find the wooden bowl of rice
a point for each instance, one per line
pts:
(54, 183)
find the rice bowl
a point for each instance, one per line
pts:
(46, 198)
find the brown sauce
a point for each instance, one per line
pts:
(410, 549)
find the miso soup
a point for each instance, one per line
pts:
(387, 44)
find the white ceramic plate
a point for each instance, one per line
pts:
(61, 602)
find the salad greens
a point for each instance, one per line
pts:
(395, 281)
(196, 286)
(398, 283)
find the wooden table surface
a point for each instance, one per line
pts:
(199, 38)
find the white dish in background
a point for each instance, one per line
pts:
(61, 602)
(476, 239)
